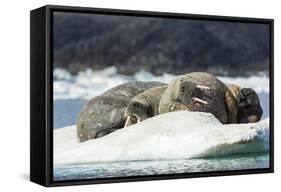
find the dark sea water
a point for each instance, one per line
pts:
(141, 168)
(66, 113)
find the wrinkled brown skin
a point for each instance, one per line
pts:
(232, 91)
(145, 104)
(224, 101)
(105, 113)
(180, 91)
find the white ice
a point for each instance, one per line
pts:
(174, 135)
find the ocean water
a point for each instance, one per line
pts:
(141, 168)
(71, 93)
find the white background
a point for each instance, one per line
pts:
(14, 106)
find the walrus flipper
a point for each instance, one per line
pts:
(249, 107)
(242, 105)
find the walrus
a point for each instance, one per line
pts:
(144, 105)
(199, 91)
(105, 113)
(243, 105)
(249, 109)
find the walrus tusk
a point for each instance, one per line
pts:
(129, 117)
(127, 121)
(200, 100)
(202, 87)
(78, 139)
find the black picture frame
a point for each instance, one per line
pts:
(41, 102)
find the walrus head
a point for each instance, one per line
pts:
(249, 109)
(136, 112)
(186, 92)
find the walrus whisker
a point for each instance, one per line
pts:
(129, 118)
(200, 100)
(138, 118)
(202, 87)
(127, 121)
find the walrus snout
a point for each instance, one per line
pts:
(190, 91)
(132, 119)
(194, 98)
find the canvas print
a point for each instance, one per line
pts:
(146, 95)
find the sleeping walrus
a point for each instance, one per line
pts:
(105, 113)
(204, 92)
(144, 105)
(132, 102)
